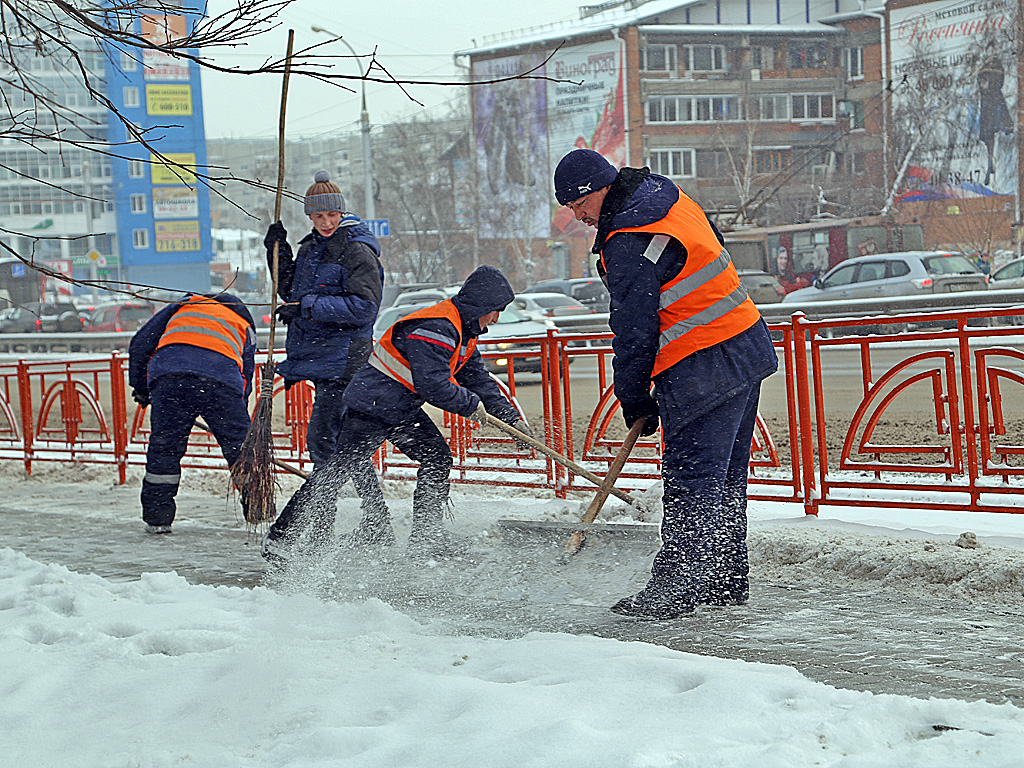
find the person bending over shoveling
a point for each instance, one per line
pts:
(429, 356)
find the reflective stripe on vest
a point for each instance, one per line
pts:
(205, 322)
(704, 304)
(388, 360)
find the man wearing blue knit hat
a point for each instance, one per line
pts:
(683, 322)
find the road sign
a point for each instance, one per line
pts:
(380, 227)
(94, 255)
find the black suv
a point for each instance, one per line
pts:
(588, 291)
(48, 317)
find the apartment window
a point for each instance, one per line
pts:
(674, 163)
(773, 106)
(762, 57)
(813, 106)
(853, 63)
(713, 164)
(658, 58)
(704, 58)
(854, 110)
(692, 109)
(131, 96)
(808, 57)
(136, 169)
(138, 203)
(140, 238)
(128, 62)
(770, 160)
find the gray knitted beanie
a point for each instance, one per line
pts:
(324, 195)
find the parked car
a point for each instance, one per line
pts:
(512, 324)
(1008, 277)
(388, 317)
(425, 296)
(589, 291)
(910, 273)
(541, 306)
(120, 316)
(392, 291)
(762, 287)
(47, 317)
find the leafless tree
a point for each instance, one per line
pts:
(75, 36)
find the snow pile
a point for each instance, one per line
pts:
(159, 672)
(932, 565)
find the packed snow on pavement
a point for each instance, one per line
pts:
(364, 660)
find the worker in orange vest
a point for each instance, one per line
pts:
(193, 358)
(429, 356)
(684, 323)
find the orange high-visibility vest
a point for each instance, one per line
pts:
(205, 322)
(388, 360)
(704, 304)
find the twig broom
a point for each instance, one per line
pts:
(253, 471)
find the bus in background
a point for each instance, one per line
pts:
(19, 283)
(798, 253)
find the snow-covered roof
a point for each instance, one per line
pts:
(605, 21)
(742, 29)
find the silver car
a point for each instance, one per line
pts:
(909, 273)
(1007, 277)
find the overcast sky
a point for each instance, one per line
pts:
(413, 38)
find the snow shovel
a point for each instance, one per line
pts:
(576, 540)
(570, 464)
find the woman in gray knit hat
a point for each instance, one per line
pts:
(332, 291)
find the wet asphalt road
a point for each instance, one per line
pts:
(859, 638)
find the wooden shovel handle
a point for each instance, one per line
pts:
(568, 463)
(576, 540)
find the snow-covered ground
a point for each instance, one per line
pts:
(112, 659)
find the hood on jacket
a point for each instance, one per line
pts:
(486, 290)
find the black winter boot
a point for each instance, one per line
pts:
(374, 530)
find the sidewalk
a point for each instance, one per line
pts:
(852, 636)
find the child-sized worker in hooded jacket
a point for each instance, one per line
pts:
(429, 356)
(332, 291)
(193, 358)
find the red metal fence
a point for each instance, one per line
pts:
(843, 431)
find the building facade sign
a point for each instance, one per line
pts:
(177, 236)
(510, 121)
(175, 203)
(956, 99)
(585, 111)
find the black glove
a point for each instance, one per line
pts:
(140, 397)
(288, 312)
(643, 408)
(277, 234)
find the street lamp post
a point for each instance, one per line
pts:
(370, 211)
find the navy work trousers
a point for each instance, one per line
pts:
(176, 401)
(323, 438)
(313, 505)
(703, 553)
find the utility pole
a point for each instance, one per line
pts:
(369, 208)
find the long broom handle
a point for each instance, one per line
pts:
(265, 389)
(576, 540)
(568, 463)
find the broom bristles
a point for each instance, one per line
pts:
(253, 471)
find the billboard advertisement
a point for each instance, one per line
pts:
(955, 71)
(511, 149)
(585, 111)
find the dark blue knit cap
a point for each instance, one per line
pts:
(581, 172)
